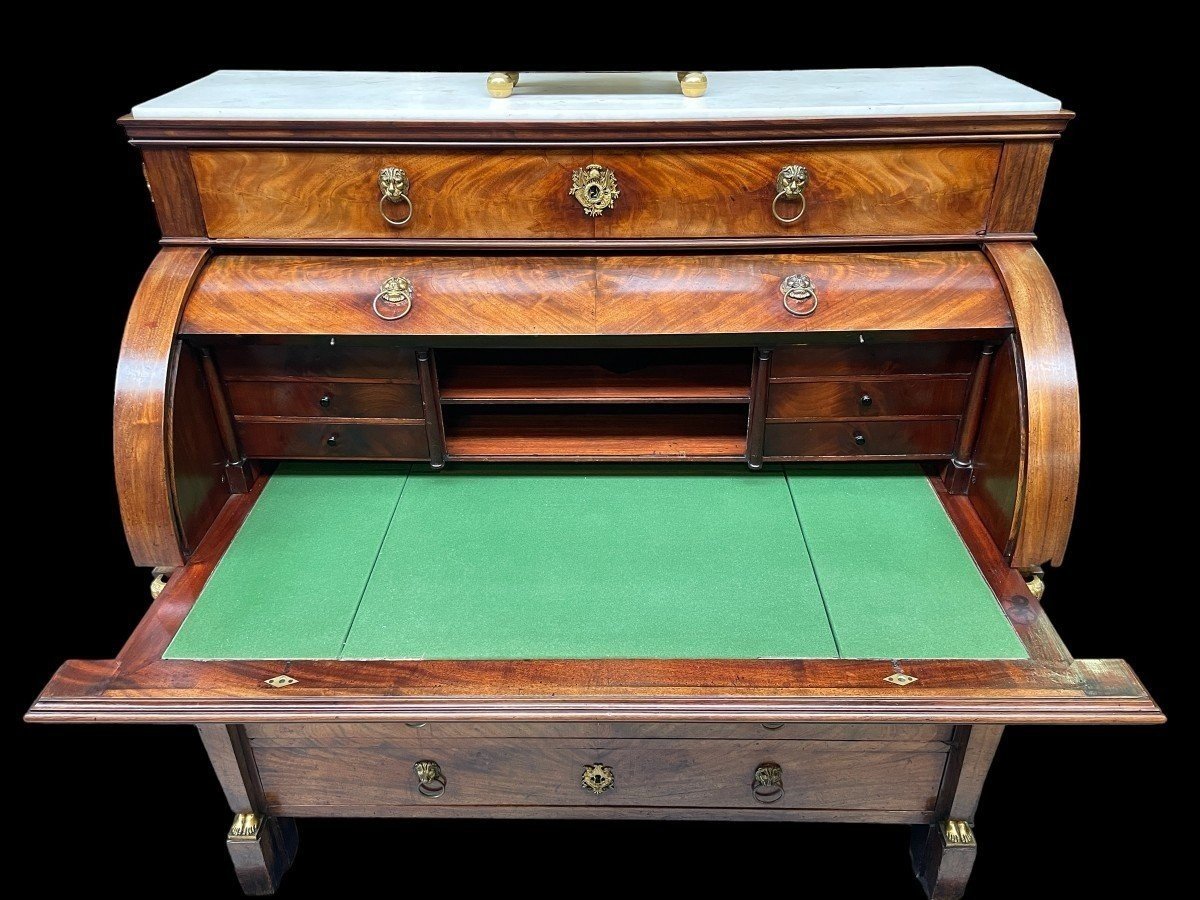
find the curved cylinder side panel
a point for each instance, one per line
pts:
(1045, 360)
(141, 408)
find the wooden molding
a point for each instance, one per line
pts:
(1047, 369)
(140, 408)
(173, 190)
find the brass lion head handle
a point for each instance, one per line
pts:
(393, 188)
(396, 297)
(789, 185)
(799, 295)
(430, 780)
(767, 785)
(595, 187)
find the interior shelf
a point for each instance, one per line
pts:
(595, 376)
(701, 431)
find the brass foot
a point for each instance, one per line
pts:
(693, 84)
(501, 84)
(262, 848)
(159, 581)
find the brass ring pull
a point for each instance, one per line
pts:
(393, 188)
(799, 289)
(767, 786)
(397, 293)
(790, 184)
(430, 780)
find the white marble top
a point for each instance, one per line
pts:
(630, 96)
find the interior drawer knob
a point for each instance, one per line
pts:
(768, 783)
(799, 295)
(859, 438)
(597, 778)
(595, 187)
(332, 440)
(430, 780)
(393, 189)
(789, 185)
(396, 295)
(325, 401)
(865, 400)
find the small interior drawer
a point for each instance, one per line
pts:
(316, 399)
(914, 358)
(333, 439)
(315, 360)
(859, 398)
(861, 439)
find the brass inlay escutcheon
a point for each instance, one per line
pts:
(394, 188)
(595, 187)
(799, 295)
(597, 778)
(957, 832)
(767, 786)
(900, 679)
(430, 780)
(281, 681)
(245, 827)
(789, 185)
(397, 296)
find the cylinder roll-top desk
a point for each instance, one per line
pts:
(579, 446)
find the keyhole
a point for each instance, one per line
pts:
(593, 191)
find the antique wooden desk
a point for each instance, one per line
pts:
(599, 451)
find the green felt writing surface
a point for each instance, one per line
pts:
(290, 583)
(897, 580)
(592, 562)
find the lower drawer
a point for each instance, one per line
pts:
(918, 439)
(334, 438)
(712, 774)
(343, 399)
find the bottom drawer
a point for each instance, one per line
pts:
(920, 439)
(712, 774)
(333, 438)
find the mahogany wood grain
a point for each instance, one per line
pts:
(329, 438)
(875, 189)
(1019, 185)
(655, 375)
(880, 439)
(232, 756)
(344, 399)
(596, 432)
(220, 407)
(986, 126)
(664, 772)
(867, 398)
(999, 464)
(173, 191)
(297, 193)
(331, 734)
(906, 292)
(431, 403)
(317, 359)
(858, 360)
(1052, 405)
(756, 415)
(453, 296)
(958, 473)
(143, 404)
(195, 454)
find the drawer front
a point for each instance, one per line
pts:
(315, 361)
(917, 358)
(873, 190)
(650, 773)
(333, 439)
(925, 438)
(878, 189)
(376, 733)
(857, 398)
(372, 400)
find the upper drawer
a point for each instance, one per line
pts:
(895, 189)
(419, 299)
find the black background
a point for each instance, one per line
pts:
(135, 808)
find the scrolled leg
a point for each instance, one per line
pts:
(942, 857)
